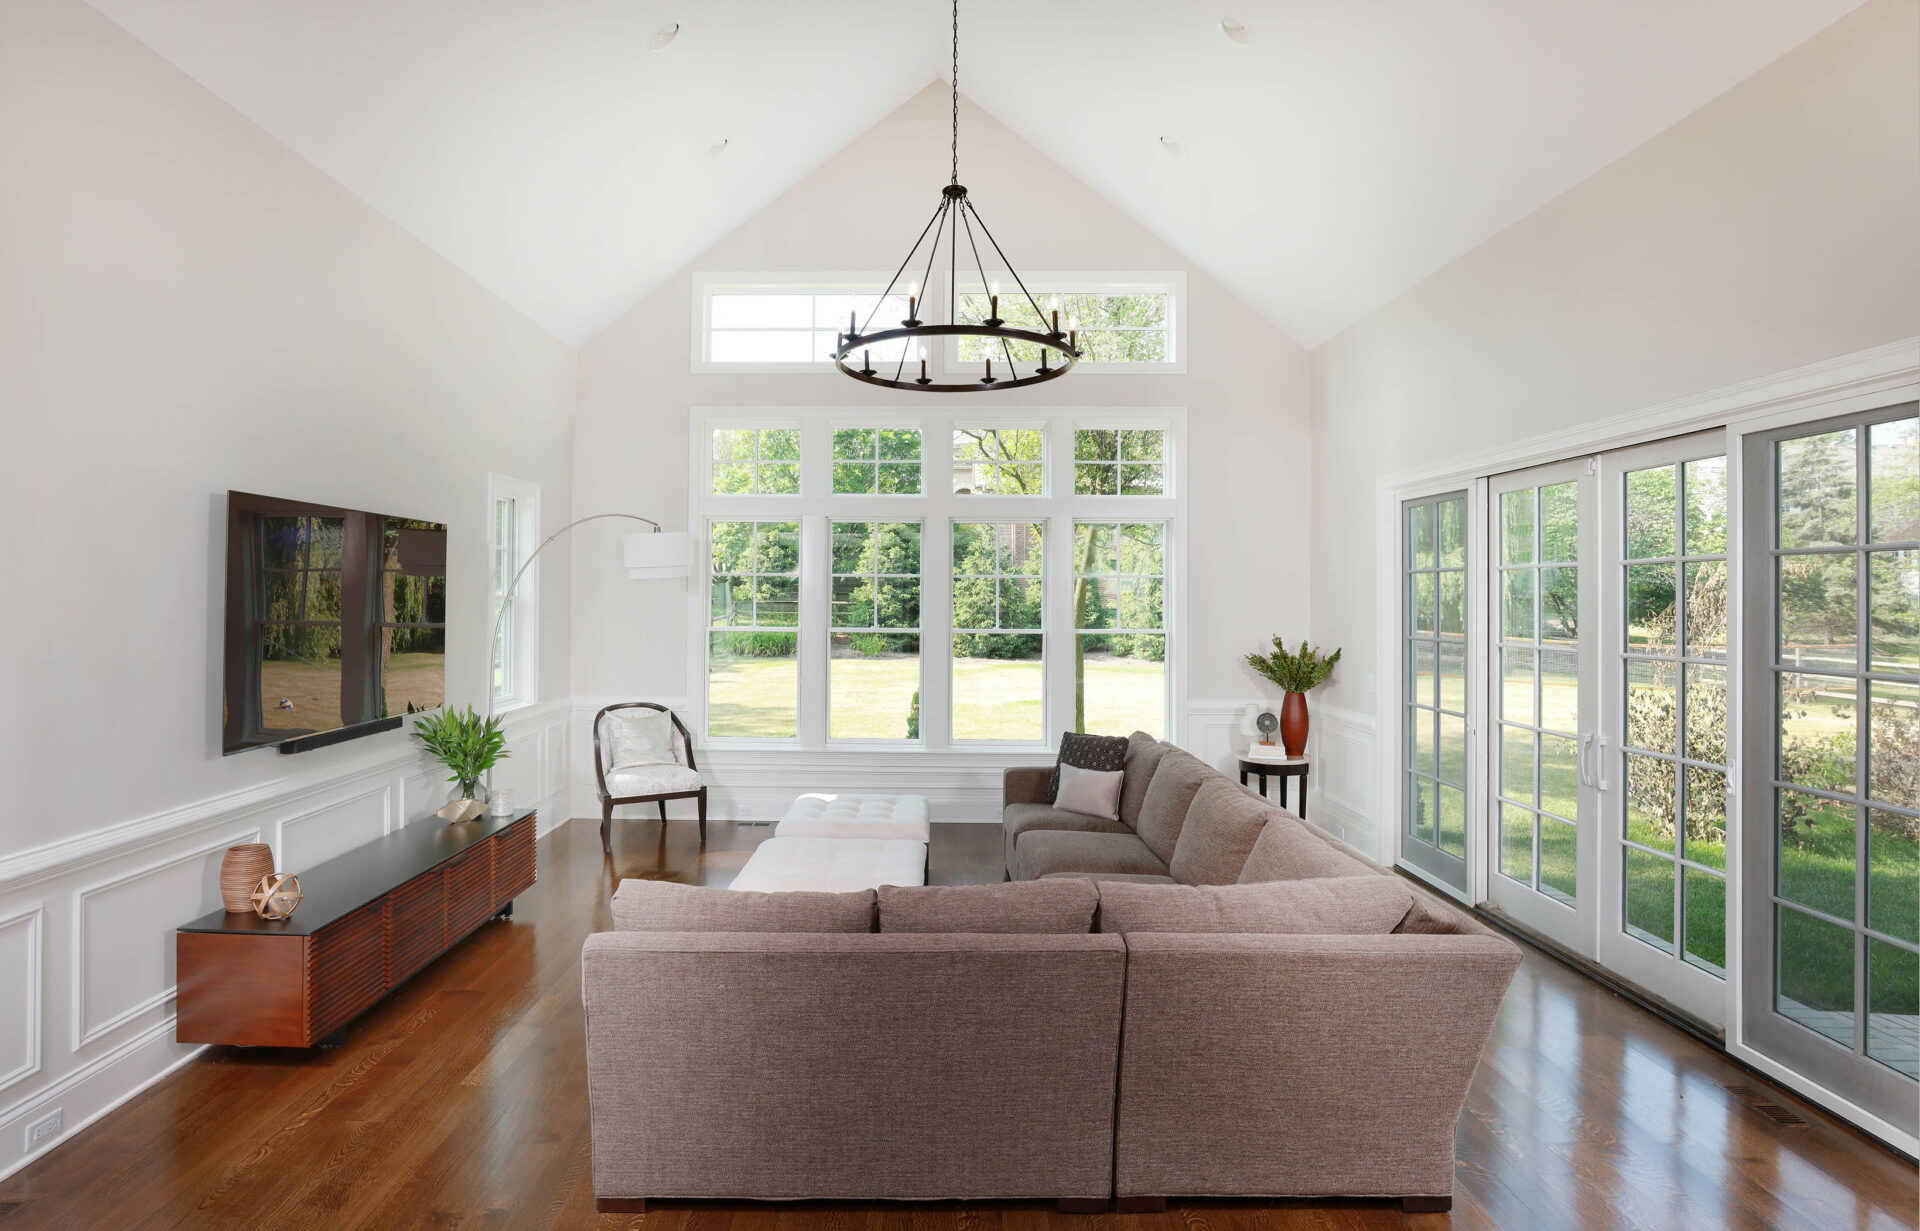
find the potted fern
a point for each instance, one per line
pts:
(1296, 672)
(469, 746)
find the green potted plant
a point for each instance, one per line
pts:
(468, 745)
(1296, 672)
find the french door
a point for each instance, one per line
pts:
(1542, 673)
(1664, 720)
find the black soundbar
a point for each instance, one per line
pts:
(321, 740)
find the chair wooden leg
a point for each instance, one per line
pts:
(702, 803)
(1426, 1205)
(663, 813)
(606, 824)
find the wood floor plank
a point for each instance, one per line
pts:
(460, 1102)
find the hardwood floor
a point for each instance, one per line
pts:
(460, 1102)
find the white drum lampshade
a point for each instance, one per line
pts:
(661, 553)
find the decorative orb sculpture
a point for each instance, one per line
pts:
(1268, 724)
(277, 895)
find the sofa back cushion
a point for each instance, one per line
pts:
(1353, 906)
(1030, 907)
(666, 906)
(1222, 827)
(1287, 850)
(1169, 798)
(1143, 758)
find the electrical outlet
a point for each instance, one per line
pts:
(43, 1130)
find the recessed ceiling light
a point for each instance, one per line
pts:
(1235, 31)
(1172, 145)
(665, 35)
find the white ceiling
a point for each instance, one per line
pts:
(1352, 148)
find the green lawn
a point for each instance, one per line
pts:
(993, 699)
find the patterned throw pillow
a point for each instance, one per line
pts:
(1105, 753)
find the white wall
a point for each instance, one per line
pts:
(188, 307)
(1245, 390)
(1776, 226)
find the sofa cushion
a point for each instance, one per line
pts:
(1137, 878)
(1095, 792)
(1288, 850)
(1058, 850)
(668, 906)
(1221, 829)
(1015, 906)
(1106, 753)
(1169, 798)
(1017, 819)
(1352, 906)
(1143, 758)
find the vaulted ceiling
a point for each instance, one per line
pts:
(1343, 151)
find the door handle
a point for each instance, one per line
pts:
(1600, 762)
(1586, 743)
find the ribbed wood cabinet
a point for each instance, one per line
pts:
(371, 919)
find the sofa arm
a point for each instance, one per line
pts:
(1025, 784)
(1314, 1066)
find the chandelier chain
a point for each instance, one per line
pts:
(956, 93)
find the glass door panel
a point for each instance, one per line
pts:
(1541, 673)
(1663, 921)
(1435, 694)
(1831, 740)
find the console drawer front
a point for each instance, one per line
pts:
(470, 890)
(419, 925)
(347, 968)
(513, 863)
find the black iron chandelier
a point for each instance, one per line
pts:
(1057, 348)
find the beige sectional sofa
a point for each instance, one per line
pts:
(1208, 997)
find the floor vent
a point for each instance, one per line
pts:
(1782, 1117)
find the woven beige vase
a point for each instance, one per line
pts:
(241, 871)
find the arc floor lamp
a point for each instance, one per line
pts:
(655, 554)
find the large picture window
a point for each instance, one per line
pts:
(770, 323)
(917, 581)
(1120, 648)
(753, 643)
(873, 668)
(999, 640)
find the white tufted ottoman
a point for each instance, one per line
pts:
(856, 816)
(833, 865)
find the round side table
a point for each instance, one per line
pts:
(1283, 770)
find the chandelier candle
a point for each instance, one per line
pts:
(1049, 356)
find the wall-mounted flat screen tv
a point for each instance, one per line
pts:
(336, 622)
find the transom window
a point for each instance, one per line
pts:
(772, 325)
(1120, 648)
(1127, 323)
(756, 461)
(999, 461)
(876, 461)
(1120, 462)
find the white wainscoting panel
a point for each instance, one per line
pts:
(87, 922)
(20, 1017)
(345, 820)
(1342, 745)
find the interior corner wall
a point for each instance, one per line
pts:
(187, 307)
(1776, 226)
(1245, 392)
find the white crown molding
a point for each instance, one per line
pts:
(1889, 368)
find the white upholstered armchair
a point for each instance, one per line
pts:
(643, 754)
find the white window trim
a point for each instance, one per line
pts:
(524, 655)
(937, 510)
(1054, 282)
(708, 283)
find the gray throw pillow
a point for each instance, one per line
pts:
(667, 906)
(1030, 907)
(1106, 753)
(1349, 906)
